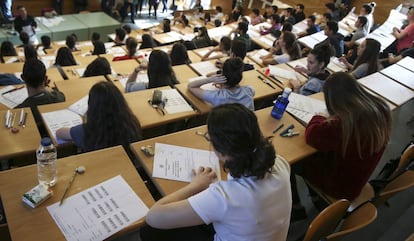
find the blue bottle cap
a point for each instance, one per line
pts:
(46, 141)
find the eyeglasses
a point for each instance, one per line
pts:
(204, 134)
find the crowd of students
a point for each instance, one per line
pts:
(257, 201)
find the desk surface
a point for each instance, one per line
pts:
(146, 114)
(387, 88)
(27, 224)
(75, 89)
(400, 74)
(183, 72)
(24, 142)
(291, 148)
(283, 82)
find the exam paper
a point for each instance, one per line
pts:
(283, 73)
(80, 107)
(98, 212)
(61, 118)
(10, 104)
(177, 162)
(204, 68)
(305, 107)
(175, 102)
(16, 97)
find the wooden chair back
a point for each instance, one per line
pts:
(399, 184)
(359, 218)
(327, 221)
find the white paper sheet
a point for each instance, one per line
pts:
(176, 162)
(16, 97)
(304, 107)
(283, 73)
(204, 68)
(98, 212)
(61, 118)
(80, 107)
(10, 104)
(175, 103)
(255, 55)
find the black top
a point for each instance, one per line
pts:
(45, 97)
(19, 23)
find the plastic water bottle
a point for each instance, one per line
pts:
(281, 103)
(46, 162)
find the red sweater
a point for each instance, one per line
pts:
(336, 176)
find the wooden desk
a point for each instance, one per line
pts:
(24, 142)
(400, 74)
(183, 72)
(265, 41)
(186, 138)
(291, 148)
(54, 75)
(12, 67)
(387, 88)
(201, 106)
(146, 114)
(280, 81)
(26, 224)
(124, 67)
(294, 148)
(75, 89)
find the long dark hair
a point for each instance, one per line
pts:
(110, 121)
(64, 57)
(369, 56)
(235, 133)
(292, 46)
(100, 66)
(147, 42)
(160, 72)
(363, 116)
(179, 55)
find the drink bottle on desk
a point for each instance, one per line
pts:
(281, 103)
(46, 162)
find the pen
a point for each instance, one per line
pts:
(21, 117)
(8, 119)
(290, 134)
(266, 82)
(80, 170)
(278, 128)
(12, 90)
(24, 119)
(287, 130)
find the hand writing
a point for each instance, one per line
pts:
(203, 177)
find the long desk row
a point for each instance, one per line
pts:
(59, 27)
(107, 163)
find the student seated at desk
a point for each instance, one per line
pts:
(64, 57)
(110, 121)
(317, 60)
(166, 25)
(131, 45)
(159, 71)
(335, 39)
(253, 204)
(30, 52)
(286, 49)
(98, 47)
(255, 17)
(367, 59)
(274, 29)
(223, 47)
(312, 27)
(179, 55)
(147, 42)
(238, 49)
(120, 36)
(71, 42)
(7, 49)
(228, 88)
(202, 39)
(350, 140)
(34, 75)
(45, 44)
(100, 66)
(241, 34)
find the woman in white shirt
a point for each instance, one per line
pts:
(286, 49)
(253, 204)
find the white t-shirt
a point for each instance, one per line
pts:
(247, 209)
(282, 58)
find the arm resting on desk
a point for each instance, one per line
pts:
(174, 210)
(64, 134)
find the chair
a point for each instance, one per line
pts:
(401, 179)
(367, 193)
(327, 221)
(359, 218)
